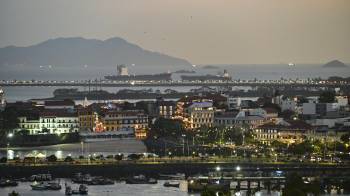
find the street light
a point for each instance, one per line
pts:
(10, 135)
(238, 168)
(218, 168)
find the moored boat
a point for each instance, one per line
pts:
(140, 179)
(172, 184)
(7, 183)
(13, 193)
(38, 186)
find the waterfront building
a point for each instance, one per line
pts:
(118, 120)
(286, 131)
(52, 121)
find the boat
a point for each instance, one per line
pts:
(123, 75)
(82, 179)
(40, 177)
(53, 186)
(140, 179)
(68, 190)
(101, 181)
(177, 176)
(83, 190)
(13, 193)
(38, 186)
(198, 185)
(172, 184)
(7, 183)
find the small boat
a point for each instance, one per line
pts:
(53, 186)
(38, 186)
(40, 177)
(177, 176)
(101, 181)
(7, 183)
(140, 179)
(172, 184)
(83, 190)
(13, 193)
(68, 190)
(82, 179)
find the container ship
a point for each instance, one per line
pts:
(123, 75)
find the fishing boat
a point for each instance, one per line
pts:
(13, 193)
(68, 190)
(38, 186)
(82, 190)
(7, 183)
(140, 179)
(172, 184)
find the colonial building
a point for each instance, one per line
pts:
(53, 121)
(198, 113)
(238, 119)
(116, 120)
(289, 131)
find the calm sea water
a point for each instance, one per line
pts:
(263, 72)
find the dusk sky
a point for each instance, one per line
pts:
(201, 31)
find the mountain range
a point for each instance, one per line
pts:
(77, 51)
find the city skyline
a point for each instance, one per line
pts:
(205, 32)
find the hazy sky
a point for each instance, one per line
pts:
(202, 31)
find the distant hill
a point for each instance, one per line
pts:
(335, 64)
(77, 51)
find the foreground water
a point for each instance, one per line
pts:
(119, 189)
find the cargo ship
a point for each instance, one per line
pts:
(202, 78)
(123, 75)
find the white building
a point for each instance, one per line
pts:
(50, 122)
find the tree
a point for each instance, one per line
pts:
(345, 138)
(167, 127)
(118, 157)
(51, 158)
(3, 160)
(68, 159)
(134, 157)
(327, 97)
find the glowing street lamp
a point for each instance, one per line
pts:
(218, 168)
(10, 135)
(238, 168)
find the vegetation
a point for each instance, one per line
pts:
(51, 158)
(327, 97)
(68, 159)
(3, 160)
(167, 127)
